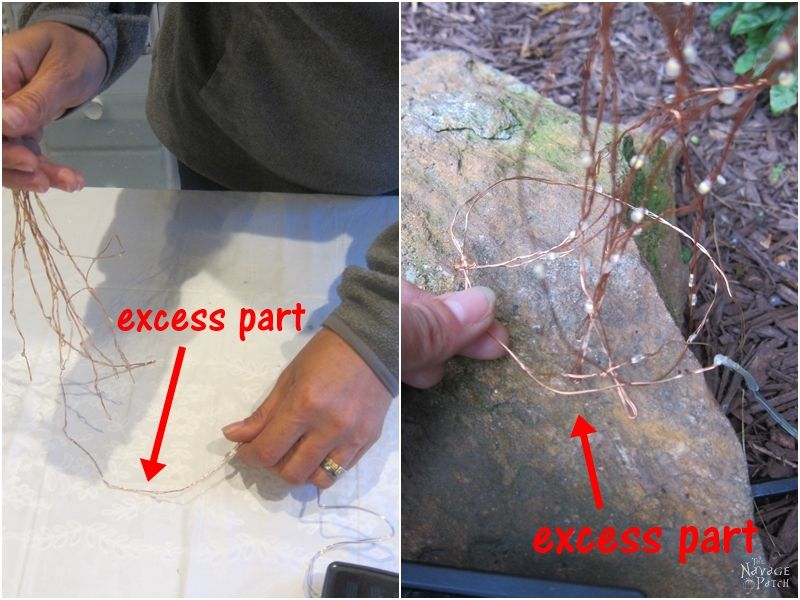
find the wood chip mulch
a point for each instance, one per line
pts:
(750, 220)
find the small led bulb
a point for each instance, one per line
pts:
(721, 180)
(637, 162)
(588, 306)
(552, 256)
(785, 78)
(727, 95)
(637, 215)
(539, 270)
(704, 187)
(614, 258)
(672, 68)
(690, 53)
(637, 358)
(585, 160)
(782, 48)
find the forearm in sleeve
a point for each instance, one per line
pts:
(368, 317)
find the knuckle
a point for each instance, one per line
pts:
(309, 400)
(292, 477)
(340, 421)
(258, 416)
(366, 435)
(360, 438)
(34, 103)
(266, 456)
(285, 380)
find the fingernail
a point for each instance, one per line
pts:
(69, 179)
(228, 429)
(13, 117)
(472, 305)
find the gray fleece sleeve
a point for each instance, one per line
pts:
(119, 28)
(368, 317)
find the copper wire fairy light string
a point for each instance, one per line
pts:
(677, 113)
(311, 591)
(570, 244)
(577, 240)
(136, 490)
(56, 303)
(64, 320)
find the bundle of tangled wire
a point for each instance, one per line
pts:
(612, 216)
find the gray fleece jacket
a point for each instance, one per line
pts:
(302, 96)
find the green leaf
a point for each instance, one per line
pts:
(722, 12)
(776, 173)
(745, 62)
(773, 12)
(686, 255)
(777, 28)
(751, 6)
(755, 39)
(782, 97)
(745, 22)
(761, 64)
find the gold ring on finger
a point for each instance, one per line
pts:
(332, 468)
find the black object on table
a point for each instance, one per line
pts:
(345, 580)
(428, 581)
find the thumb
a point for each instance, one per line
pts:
(33, 106)
(435, 329)
(249, 428)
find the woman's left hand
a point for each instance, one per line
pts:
(326, 404)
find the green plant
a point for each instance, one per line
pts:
(776, 173)
(763, 23)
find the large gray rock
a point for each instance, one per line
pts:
(487, 457)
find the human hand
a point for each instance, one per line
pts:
(47, 69)
(436, 328)
(326, 403)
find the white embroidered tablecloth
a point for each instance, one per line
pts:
(241, 532)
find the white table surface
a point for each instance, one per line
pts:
(242, 532)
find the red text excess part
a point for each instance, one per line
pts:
(147, 319)
(712, 540)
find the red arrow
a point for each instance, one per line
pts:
(583, 428)
(152, 467)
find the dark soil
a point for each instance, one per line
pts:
(750, 222)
